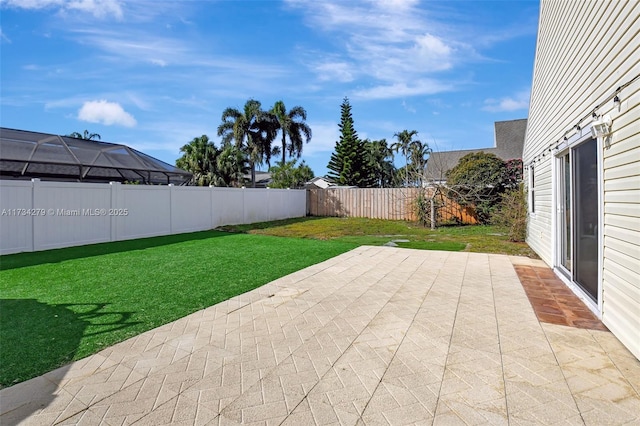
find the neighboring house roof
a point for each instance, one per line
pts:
(441, 162)
(324, 182)
(26, 155)
(263, 179)
(320, 182)
(508, 144)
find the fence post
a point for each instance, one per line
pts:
(113, 223)
(244, 202)
(211, 208)
(170, 208)
(35, 202)
(34, 182)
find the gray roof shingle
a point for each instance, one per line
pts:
(509, 142)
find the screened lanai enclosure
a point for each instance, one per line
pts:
(26, 155)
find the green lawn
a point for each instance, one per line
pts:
(363, 231)
(62, 305)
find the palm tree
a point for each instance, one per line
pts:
(199, 157)
(253, 130)
(419, 152)
(232, 165)
(292, 126)
(379, 159)
(405, 140)
(86, 135)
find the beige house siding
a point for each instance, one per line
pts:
(585, 52)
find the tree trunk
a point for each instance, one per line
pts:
(406, 170)
(433, 213)
(253, 174)
(284, 146)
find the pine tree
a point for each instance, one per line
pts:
(347, 163)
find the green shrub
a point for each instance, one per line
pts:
(422, 208)
(511, 213)
(480, 179)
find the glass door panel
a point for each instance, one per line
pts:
(585, 214)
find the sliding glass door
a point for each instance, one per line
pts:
(578, 216)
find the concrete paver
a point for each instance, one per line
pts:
(378, 335)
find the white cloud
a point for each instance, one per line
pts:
(396, 4)
(433, 53)
(3, 37)
(33, 4)
(107, 113)
(402, 89)
(511, 103)
(139, 101)
(386, 41)
(97, 8)
(159, 62)
(332, 71)
(169, 136)
(64, 102)
(392, 44)
(325, 135)
(408, 107)
(135, 46)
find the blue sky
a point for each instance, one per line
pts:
(154, 75)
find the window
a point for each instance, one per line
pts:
(532, 189)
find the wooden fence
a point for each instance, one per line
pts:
(382, 203)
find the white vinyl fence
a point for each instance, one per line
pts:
(36, 215)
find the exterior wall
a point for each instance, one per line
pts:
(39, 215)
(585, 52)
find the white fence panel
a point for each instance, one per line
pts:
(256, 205)
(190, 209)
(285, 204)
(148, 211)
(16, 219)
(297, 206)
(278, 202)
(228, 206)
(76, 214)
(86, 213)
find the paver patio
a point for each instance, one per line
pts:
(378, 335)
